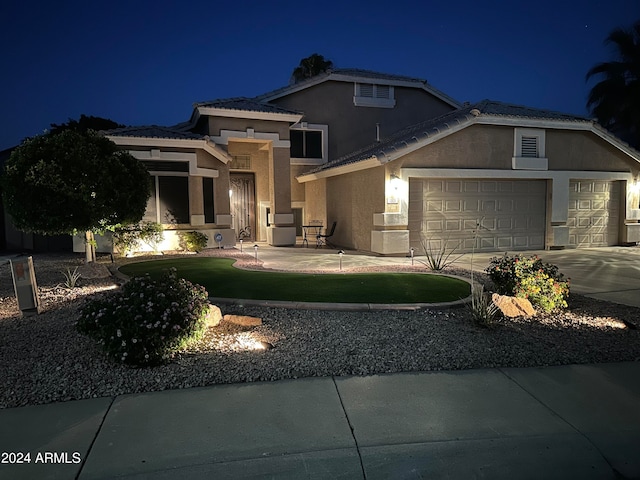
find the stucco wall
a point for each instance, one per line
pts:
(241, 124)
(583, 151)
(297, 188)
(352, 199)
(491, 146)
(351, 127)
(478, 146)
(316, 201)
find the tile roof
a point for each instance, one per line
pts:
(244, 104)
(419, 132)
(357, 72)
(153, 131)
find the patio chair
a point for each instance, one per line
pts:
(324, 239)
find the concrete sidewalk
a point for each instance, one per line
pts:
(556, 422)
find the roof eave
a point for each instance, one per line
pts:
(203, 144)
(249, 114)
(367, 163)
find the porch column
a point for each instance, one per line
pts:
(281, 231)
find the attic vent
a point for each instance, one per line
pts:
(374, 95)
(382, 91)
(530, 147)
(366, 90)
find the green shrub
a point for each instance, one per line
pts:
(147, 320)
(193, 241)
(529, 277)
(128, 237)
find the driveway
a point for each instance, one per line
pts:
(606, 273)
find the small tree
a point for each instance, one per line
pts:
(73, 181)
(310, 66)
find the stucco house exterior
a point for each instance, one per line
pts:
(394, 162)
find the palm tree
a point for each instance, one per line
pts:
(615, 100)
(310, 67)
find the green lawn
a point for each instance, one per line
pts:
(222, 280)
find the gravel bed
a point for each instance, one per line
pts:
(43, 359)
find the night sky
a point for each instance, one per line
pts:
(143, 62)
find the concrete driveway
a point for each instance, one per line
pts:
(606, 273)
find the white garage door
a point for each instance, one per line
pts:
(594, 212)
(512, 214)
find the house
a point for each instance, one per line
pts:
(395, 162)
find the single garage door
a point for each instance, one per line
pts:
(594, 213)
(512, 214)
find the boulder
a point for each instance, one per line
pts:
(243, 320)
(513, 306)
(214, 316)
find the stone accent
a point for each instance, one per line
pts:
(513, 306)
(243, 320)
(214, 316)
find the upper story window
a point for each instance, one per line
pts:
(373, 95)
(529, 149)
(309, 144)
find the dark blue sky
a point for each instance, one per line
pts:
(144, 62)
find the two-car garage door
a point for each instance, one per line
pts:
(508, 215)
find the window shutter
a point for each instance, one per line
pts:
(366, 90)
(382, 91)
(530, 147)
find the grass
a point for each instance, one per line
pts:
(221, 279)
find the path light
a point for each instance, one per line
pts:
(255, 249)
(411, 250)
(341, 253)
(240, 245)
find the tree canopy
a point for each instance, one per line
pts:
(311, 66)
(84, 124)
(73, 181)
(615, 99)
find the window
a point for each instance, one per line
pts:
(374, 95)
(169, 200)
(241, 162)
(207, 198)
(306, 144)
(309, 144)
(529, 149)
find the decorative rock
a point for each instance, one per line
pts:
(214, 316)
(93, 270)
(243, 320)
(513, 306)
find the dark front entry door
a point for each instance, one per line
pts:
(243, 205)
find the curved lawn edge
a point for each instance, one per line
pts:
(363, 298)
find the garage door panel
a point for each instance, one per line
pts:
(593, 213)
(453, 206)
(511, 213)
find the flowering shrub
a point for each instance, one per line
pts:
(147, 320)
(529, 277)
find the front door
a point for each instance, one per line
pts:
(243, 205)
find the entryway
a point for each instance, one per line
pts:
(242, 200)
